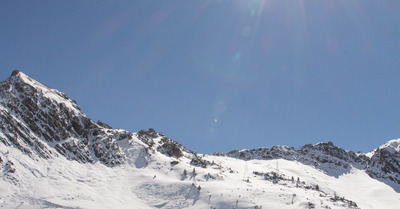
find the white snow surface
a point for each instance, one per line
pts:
(229, 183)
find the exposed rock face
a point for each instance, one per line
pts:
(35, 118)
(163, 144)
(385, 162)
(326, 155)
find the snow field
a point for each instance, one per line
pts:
(229, 183)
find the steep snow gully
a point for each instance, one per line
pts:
(53, 156)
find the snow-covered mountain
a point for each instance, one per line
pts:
(53, 156)
(382, 163)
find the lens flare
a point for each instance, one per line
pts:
(253, 12)
(237, 56)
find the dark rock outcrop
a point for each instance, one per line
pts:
(385, 162)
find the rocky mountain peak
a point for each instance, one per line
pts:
(38, 119)
(19, 85)
(392, 145)
(44, 122)
(385, 161)
(15, 73)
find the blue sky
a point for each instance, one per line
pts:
(218, 75)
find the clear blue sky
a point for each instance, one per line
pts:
(218, 75)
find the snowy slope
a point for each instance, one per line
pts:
(62, 183)
(53, 156)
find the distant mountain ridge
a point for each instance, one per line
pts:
(44, 123)
(383, 162)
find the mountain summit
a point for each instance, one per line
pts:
(43, 122)
(53, 156)
(39, 120)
